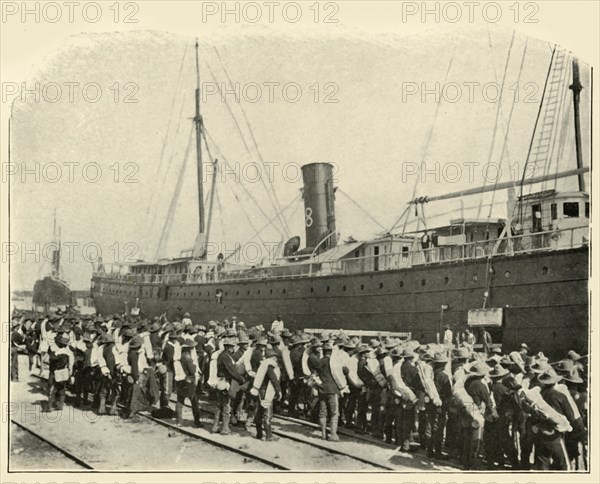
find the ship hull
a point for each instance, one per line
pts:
(544, 297)
(51, 292)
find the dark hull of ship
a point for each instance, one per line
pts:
(51, 292)
(544, 297)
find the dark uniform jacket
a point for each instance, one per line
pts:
(168, 356)
(328, 385)
(296, 357)
(57, 361)
(226, 368)
(109, 358)
(480, 393)
(133, 361)
(271, 376)
(255, 358)
(410, 376)
(313, 361)
(364, 374)
(560, 403)
(443, 386)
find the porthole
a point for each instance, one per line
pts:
(209, 293)
(544, 270)
(475, 277)
(248, 293)
(312, 289)
(507, 274)
(271, 291)
(401, 283)
(283, 291)
(446, 280)
(343, 288)
(237, 293)
(327, 288)
(226, 293)
(423, 282)
(362, 286)
(381, 285)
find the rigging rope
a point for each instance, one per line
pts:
(164, 236)
(224, 158)
(560, 114)
(510, 114)
(260, 157)
(498, 111)
(537, 119)
(239, 129)
(339, 190)
(429, 135)
(270, 222)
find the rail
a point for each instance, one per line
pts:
(550, 240)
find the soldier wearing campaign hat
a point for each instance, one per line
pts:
(226, 373)
(437, 416)
(362, 351)
(411, 378)
(109, 380)
(296, 385)
(186, 388)
(328, 395)
(61, 362)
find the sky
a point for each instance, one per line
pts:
(358, 102)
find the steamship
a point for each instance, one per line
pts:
(524, 277)
(53, 290)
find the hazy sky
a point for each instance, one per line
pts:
(375, 134)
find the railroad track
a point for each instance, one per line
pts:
(54, 445)
(206, 408)
(266, 458)
(196, 435)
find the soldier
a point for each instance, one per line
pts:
(497, 438)
(575, 439)
(186, 388)
(411, 378)
(17, 342)
(156, 340)
(61, 362)
(480, 393)
(363, 398)
(32, 344)
(267, 391)
(328, 396)
(378, 393)
(109, 383)
(226, 373)
(168, 378)
(137, 379)
(297, 347)
(550, 447)
(438, 415)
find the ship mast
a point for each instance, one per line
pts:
(576, 87)
(56, 252)
(200, 246)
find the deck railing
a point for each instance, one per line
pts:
(529, 243)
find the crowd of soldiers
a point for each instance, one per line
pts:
(484, 409)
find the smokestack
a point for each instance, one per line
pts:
(319, 210)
